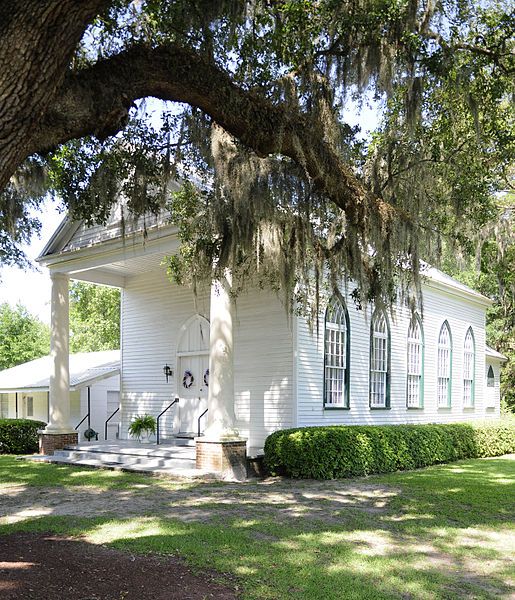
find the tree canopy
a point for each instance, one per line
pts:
(276, 181)
(94, 317)
(23, 337)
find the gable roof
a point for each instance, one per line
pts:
(86, 368)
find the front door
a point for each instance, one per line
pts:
(193, 391)
(193, 374)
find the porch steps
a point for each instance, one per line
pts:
(176, 458)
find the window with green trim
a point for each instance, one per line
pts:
(336, 355)
(444, 366)
(379, 361)
(469, 359)
(414, 384)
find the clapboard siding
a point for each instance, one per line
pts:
(153, 312)
(461, 314)
(263, 366)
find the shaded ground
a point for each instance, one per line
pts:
(39, 566)
(442, 533)
(277, 499)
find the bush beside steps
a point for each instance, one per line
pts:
(335, 451)
(19, 436)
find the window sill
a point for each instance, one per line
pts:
(447, 408)
(380, 407)
(414, 407)
(336, 407)
(469, 408)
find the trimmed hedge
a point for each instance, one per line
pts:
(19, 436)
(336, 451)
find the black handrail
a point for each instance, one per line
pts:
(105, 425)
(88, 413)
(77, 426)
(159, 417)
(198, 421)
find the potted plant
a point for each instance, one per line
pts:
(143, 427)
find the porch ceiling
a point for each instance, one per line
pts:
(115, 273)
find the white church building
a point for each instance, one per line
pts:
(241, 369)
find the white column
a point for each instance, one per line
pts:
(221, 418)
(59, 397)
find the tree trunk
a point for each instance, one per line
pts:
(37, 41)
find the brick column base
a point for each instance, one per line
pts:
(49, 442)
(228, 457)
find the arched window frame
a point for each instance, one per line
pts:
(411, 375)
(490, 377)
(444, 375)
(469, 369)
(332, 336)
(380, 376)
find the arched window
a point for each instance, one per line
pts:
(490, 378)
(469, 355)
(379, 361)
(415, 377)
(444, 366)
(336, 355)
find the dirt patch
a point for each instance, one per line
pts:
(36, 566)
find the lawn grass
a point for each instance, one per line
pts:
(442, 532)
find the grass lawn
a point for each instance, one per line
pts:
(442, 532)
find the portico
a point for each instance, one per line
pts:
(122, 264)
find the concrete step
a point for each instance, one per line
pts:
(175, 470)
(163, 460)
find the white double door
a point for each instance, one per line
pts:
(192, 390)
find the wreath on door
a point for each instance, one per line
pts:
(206, 377)
(188, 379)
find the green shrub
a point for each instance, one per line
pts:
(337, 451)
(19, 436)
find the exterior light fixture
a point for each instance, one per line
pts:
(167, 372)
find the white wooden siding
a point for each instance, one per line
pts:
(263, 367)
(438, 306)
(153, 312)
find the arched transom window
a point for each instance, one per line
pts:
(444, 366)
(414, 385)
(379, 362)
(336, 355)
(468, 369)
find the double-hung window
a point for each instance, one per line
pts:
(444, 366)
(336, 355)
(379, 362)
(414, 384)
(468, 369)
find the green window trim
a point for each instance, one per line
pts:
(420, 406)
(473, 380)
(346, 377)
(446, 325)
(378, 314)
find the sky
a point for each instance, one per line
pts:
(32, 287)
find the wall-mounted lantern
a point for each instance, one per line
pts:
(167, 370)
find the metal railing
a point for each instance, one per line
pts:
(87, 416)
(198, 421)
(106, 423)
(158, 434)
(81, 422)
